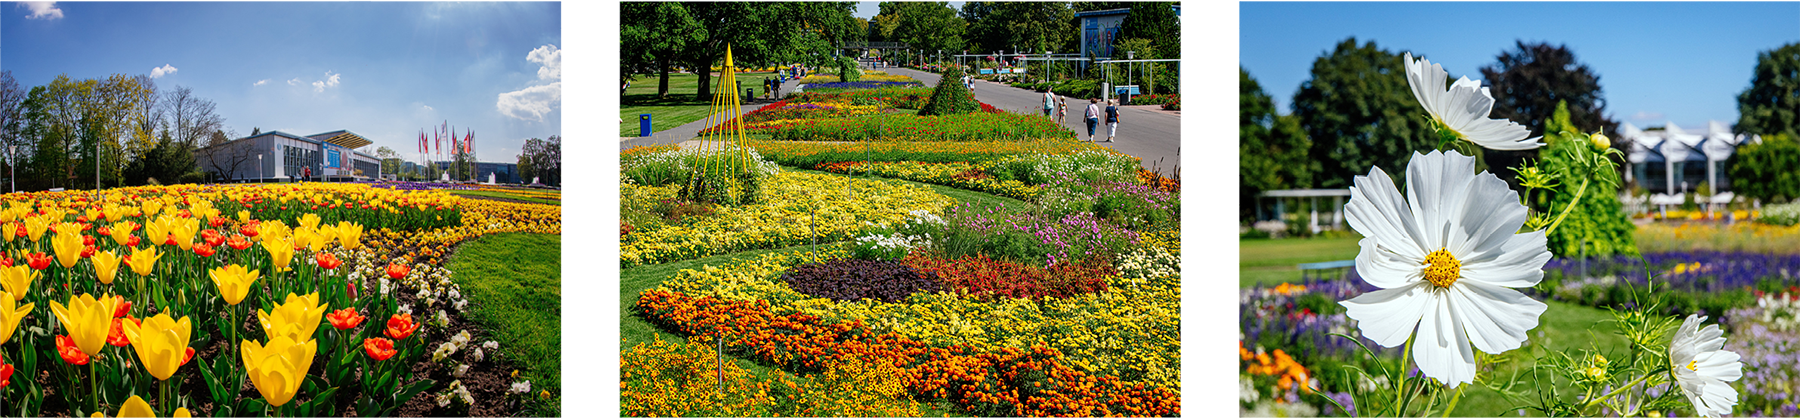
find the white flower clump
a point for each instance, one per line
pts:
(478, 356)
(456, 392)
(1779, 311)
(444, 351)
(521, 387)
(1148, 263)
(894, 242)
(461, 370)
(441, 319)
(922, 218)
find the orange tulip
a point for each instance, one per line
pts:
(65, 347)
(238, 242)
(401, 326)
(379, 349)
(327, 260)
(116, 337)
(345, 318)
(38, 260)
(396, 271)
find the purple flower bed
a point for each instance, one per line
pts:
(418, 186)
(853, 279)
(1770, 352)
(1300, 320)
(1707, 282)
(1029, 236)
(862, 85)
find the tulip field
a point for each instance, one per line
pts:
(240, 300)
(902, 277)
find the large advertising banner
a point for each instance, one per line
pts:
(334, 158)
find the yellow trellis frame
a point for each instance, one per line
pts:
(725, 109)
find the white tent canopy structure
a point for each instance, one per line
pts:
(1672, 160)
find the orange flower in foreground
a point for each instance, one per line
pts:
(327, 260)
(401, 326)
(124, 307)
(70, 353)
(238, 242)
(345, 318)
(379, 349)
(38, 260)
(394, 270)
(6, 371)
(203, 250)
(116, 336)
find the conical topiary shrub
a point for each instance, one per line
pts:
(950, 98)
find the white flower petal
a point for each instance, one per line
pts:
(1388, 316)
(1519, 264)
(1464, 107)
(1378, 211)
(1721, 365)
(1488, 218)
(1437, 186)
(1705, 384)
(1496, 318)
(1441, 350)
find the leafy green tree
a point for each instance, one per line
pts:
(1271, 148)
(950, 98)
(1766, 170)
(1359, 112)
(653, 37)
(766, 32)
(1528, 83)
(1772, 102)
(1013, 26)
(1598, 226)
(924, 26)
(1154, 20)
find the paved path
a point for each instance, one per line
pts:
(1147, 132)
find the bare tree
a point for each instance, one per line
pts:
(11, 97)
(191, 118)
(224, 156)
(146, 117)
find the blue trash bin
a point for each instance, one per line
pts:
(643, 125)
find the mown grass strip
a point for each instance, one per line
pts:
(514, 284)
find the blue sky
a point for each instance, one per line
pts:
(1658, 62)
(382, 70)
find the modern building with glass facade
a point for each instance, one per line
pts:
(1672, 160)
(277, 156)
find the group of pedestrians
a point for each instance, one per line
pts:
(772, 88)
(1094, 112)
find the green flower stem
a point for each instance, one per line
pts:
(1621, 390)
(167, 406)
(1454, 399)
(1400, 385)
(1579, 191)
(94, 380)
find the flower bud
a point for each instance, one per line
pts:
(1601, 142)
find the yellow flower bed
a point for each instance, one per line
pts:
(1738, 237)
(795, 208)
(666, 379)
(1130, 331)
(940, 174)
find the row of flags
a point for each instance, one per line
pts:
(445, 135)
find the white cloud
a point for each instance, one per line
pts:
(162, 71)
(45, 10)
(551, 59)
(331, 80)
(261, 82)
(428, 108)
(531, 103)
(1647, 116)
(295, 82)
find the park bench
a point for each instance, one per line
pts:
(1338, 269)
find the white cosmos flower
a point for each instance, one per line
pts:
(1463, 107)
(1446, 260)
(1702, 367)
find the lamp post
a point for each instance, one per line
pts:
(12, 166)
(261, 172)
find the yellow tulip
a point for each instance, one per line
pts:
(9, 317)
(35, 227)
(349, 235)
(121, 231)
(184, 231)
(159, 230)
(136, 407)
(161, 342)
(281, 252)
(309, 220)
(311, 239)
(278, 368)
(143, 261)
(297, 318)
(272, 230)
(94, 214)
(17, 280)
(10, 230)
(106, 266)
(243, 216)
(151, 207)
(87, 320)
(234, 282)
(68, 248)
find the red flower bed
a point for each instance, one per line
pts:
(987, 279)
(1012, 382)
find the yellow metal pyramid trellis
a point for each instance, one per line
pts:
(721, 147)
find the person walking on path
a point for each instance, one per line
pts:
(1093, 116)
(1062, 108)
(1112, 119)
(1049, 101)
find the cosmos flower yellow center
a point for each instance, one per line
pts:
(1442, 269)
(1693, 366)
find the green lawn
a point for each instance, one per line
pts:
(676, 109)
(514, 285)
(1272, 261)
